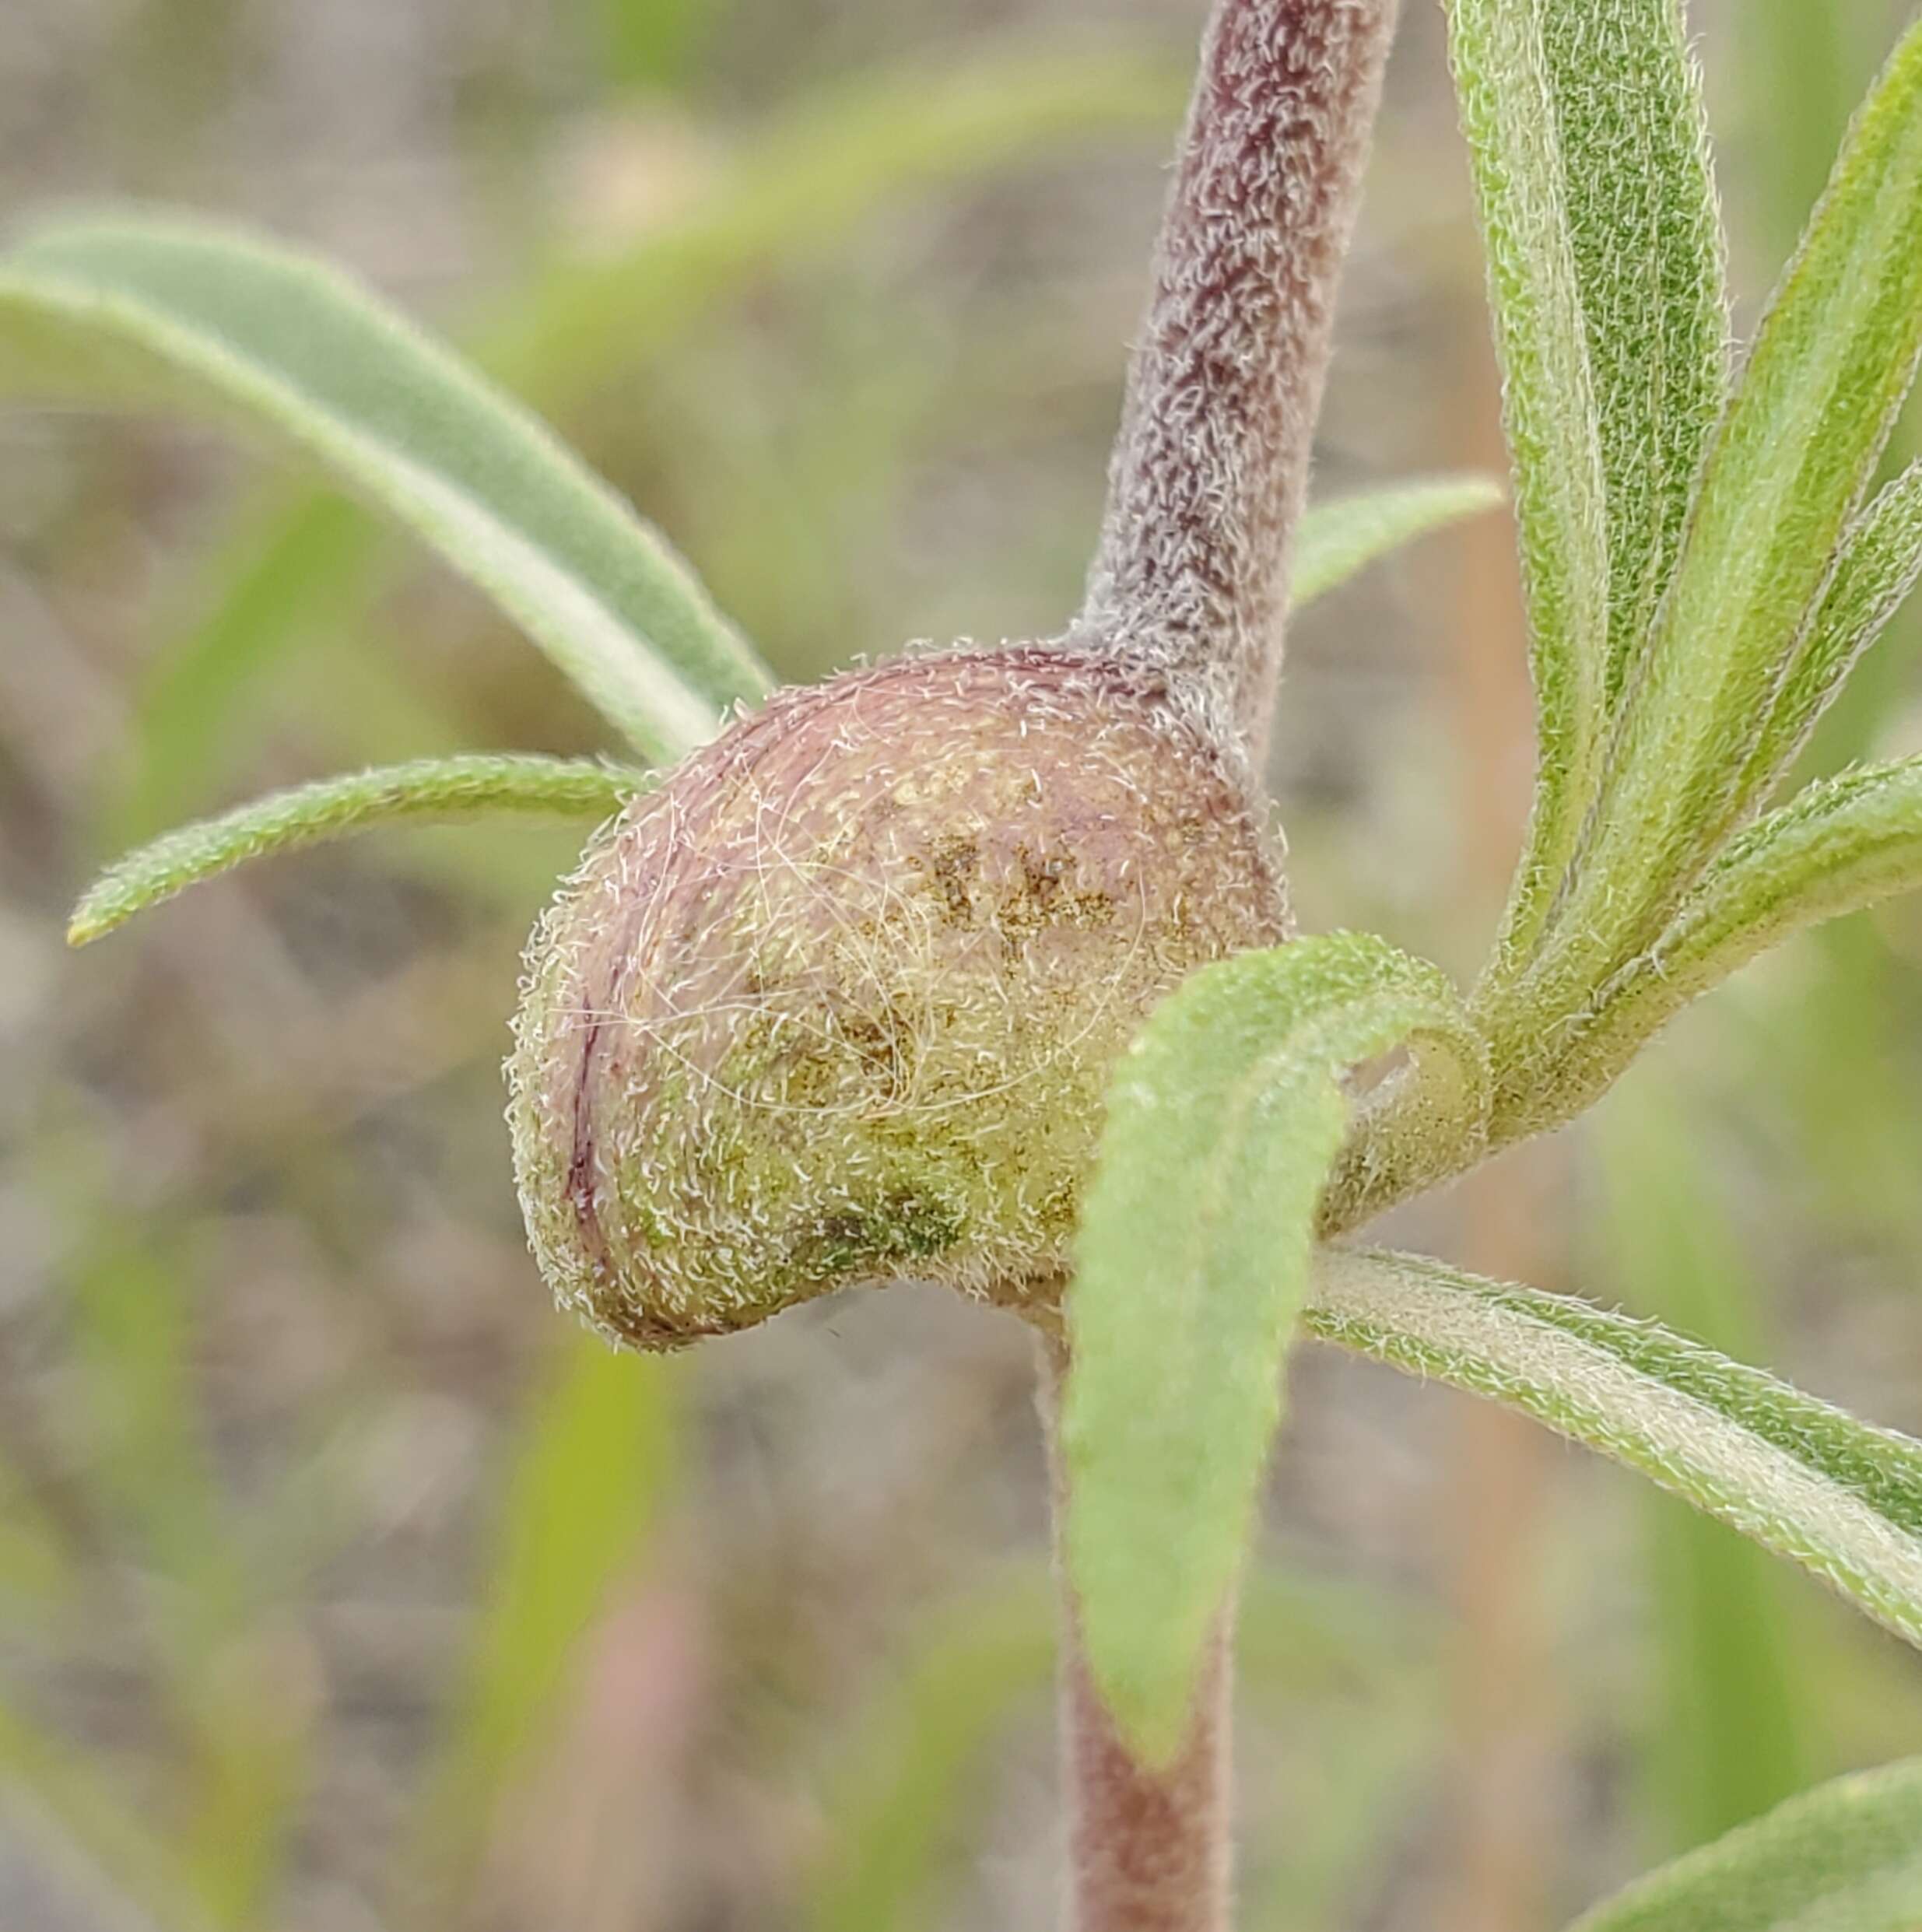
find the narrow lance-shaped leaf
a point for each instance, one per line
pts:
(1879, 566)
(1841, 1497)
(1508, 115)
(1646, 241)
(428, 789)
(1192, 1263)
(1799, 446)
(1845, 1857)
(126, 310)
(1842, 845)
(1338, 540)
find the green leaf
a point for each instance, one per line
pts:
(1841, 1497)
(1795, 456)
(1192, 1263)
(1338, 540)
(437, 789)
(1553, 416)
(1646, 240)
(1881, 563)
(1845, 1857)
(110, 310)
(576, 327)
(1843, 844)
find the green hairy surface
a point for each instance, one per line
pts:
(1646, 244)
(1838, 1496)
(1790, 463)
(1338, 539)
(434, 789)
(1879, 565)
(1549, 411)
(140, 310)
(1190, 1268)
(1846, 1857)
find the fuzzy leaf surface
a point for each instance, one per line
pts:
(1840, 1497)
(1794, 457)
(1845, 1857)
(1551, 411)
(1646, 237)
(439, 789)
(144, 311)
(1191, 1264)
(1338, 540)
(1843, 844)
(1880, 565)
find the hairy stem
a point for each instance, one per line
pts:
(1211, 467)
(1148, 1849)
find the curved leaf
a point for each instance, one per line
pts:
(430, 788)
(1881, 563)
(1845, 1857)
(1835, 356)
(1338, 539)
(1553, 419)
(129, 310)
(1646, 240)
(1191, 1261)
(1841, 1497)
(1843, 844)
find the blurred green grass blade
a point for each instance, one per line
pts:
(1552, 417)
(842, 155)
(1802, 71)
(592, 1464)
(98, 309)
(646, 44)
(901, 1786)
(1338, 540)
(133, 1341)
(1841, 845)
(254, 1768)
(1791, 465)
(275, 581)
(1839, 1497)
(1838, 1034)
(1646, 239)
(1736, 1708)
(434, 789)
(1191, 1260)
(1878, 568)
(574, 326)
(89, 1824)
(1846, 1857)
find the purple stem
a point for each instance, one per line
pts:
(1210, 467)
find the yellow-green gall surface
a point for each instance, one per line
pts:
(838, 1003)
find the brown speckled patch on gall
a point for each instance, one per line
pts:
(838, 1003)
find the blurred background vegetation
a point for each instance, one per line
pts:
(342, 1587)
